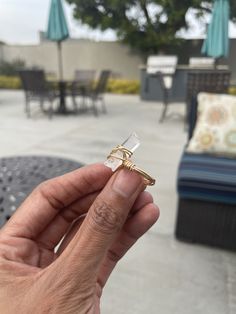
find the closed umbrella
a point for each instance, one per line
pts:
(57, 29)
(216, 44)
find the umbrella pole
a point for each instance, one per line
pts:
(217, 62)
(62, 84)
(60, 60)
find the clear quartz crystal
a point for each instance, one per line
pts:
(132, 143)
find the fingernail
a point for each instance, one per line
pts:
(126, 183)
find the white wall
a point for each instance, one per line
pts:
(78, 54)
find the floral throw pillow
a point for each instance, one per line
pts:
(215, 130)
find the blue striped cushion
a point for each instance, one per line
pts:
(206, 177)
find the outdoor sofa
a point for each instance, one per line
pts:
(207, 196)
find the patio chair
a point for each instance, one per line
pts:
(36, 88)
(206, 80)
(163, 68)
(96, 94)
(207, 196)
(82, 85)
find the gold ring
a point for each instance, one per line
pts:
(127, 163)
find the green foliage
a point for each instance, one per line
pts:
(121, 86)
(116, 86)
(232, 90)
(9, 82)
(11, 68)
(148, 26)
(233, 10)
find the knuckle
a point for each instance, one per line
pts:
(105, 217)
(47, 190)
(113, 256)
(43, 188)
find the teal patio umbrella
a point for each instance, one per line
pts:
(216, 44)
(57, 29)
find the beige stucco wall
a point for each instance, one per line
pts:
(78, 54)
(85, 54)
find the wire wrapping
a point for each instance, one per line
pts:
(128, 164)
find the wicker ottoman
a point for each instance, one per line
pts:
(207, 200)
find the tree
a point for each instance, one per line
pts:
(148, 26)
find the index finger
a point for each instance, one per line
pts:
(50, 197)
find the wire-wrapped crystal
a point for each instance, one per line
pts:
(115, 161)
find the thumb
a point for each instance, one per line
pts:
(104, 220)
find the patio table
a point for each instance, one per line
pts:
(62, 86)
(21, 174)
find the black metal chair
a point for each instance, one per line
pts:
(37, 88)
(81, 86)
(163, 68)
(165, 95)
(96, 94)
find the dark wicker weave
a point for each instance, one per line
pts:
(215, 81)
(206, 222)
(36, 88)
(210, 223)
(212, 81)
(20, 175)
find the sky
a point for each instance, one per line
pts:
(21, 21)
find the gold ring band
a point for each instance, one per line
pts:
(126, 154)
(148, 179)
(132, 167)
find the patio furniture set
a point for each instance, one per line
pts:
(84, 86)
(206, 180)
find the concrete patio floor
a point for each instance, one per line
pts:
(160, 274)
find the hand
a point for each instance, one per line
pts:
(93, 218)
